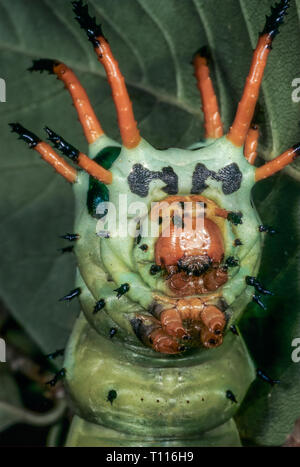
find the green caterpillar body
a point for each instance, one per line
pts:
(155, 357)
(160, 398)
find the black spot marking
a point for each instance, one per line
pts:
(144, 247)
(230, 176)
(200, 175)
(140, 178)
(111, 396)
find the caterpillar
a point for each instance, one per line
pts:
(156, 357)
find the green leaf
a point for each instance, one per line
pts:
(154, 42)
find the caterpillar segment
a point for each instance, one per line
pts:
(160, 308)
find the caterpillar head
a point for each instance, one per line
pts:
(169, 241)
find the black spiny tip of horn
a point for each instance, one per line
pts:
(204, 52)
(87, 22)
(30, 138)
(62, 145)
(275, 19)
(43, 64)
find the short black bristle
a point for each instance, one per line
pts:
(275, 19)
(74, 293)
(87, 22)
(43, 64)
(30, 138)
(61, 144)
(296, 148)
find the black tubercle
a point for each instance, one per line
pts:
(59, 375)
(122, 290)
(30, 138)
(254, 282)
(235, 217)
(99, 305)
(266, 378)
(111, 396)
(237, 242)
(87, 22)
(67, 249)
(140, 178)
(275, 19)
(234, 330)
(71, 237)
(43, 64)
(57, 353)
(268, 229)
(155, 268)
(256, 299)
(112, 332)
(61, 144)
(74, 293)
(231, 396)
(232, 262)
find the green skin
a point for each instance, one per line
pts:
(159, 399)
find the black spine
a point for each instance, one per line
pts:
(43, 64)
(87, 22)
(275, 19)
(30, 138)
(59, 143)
